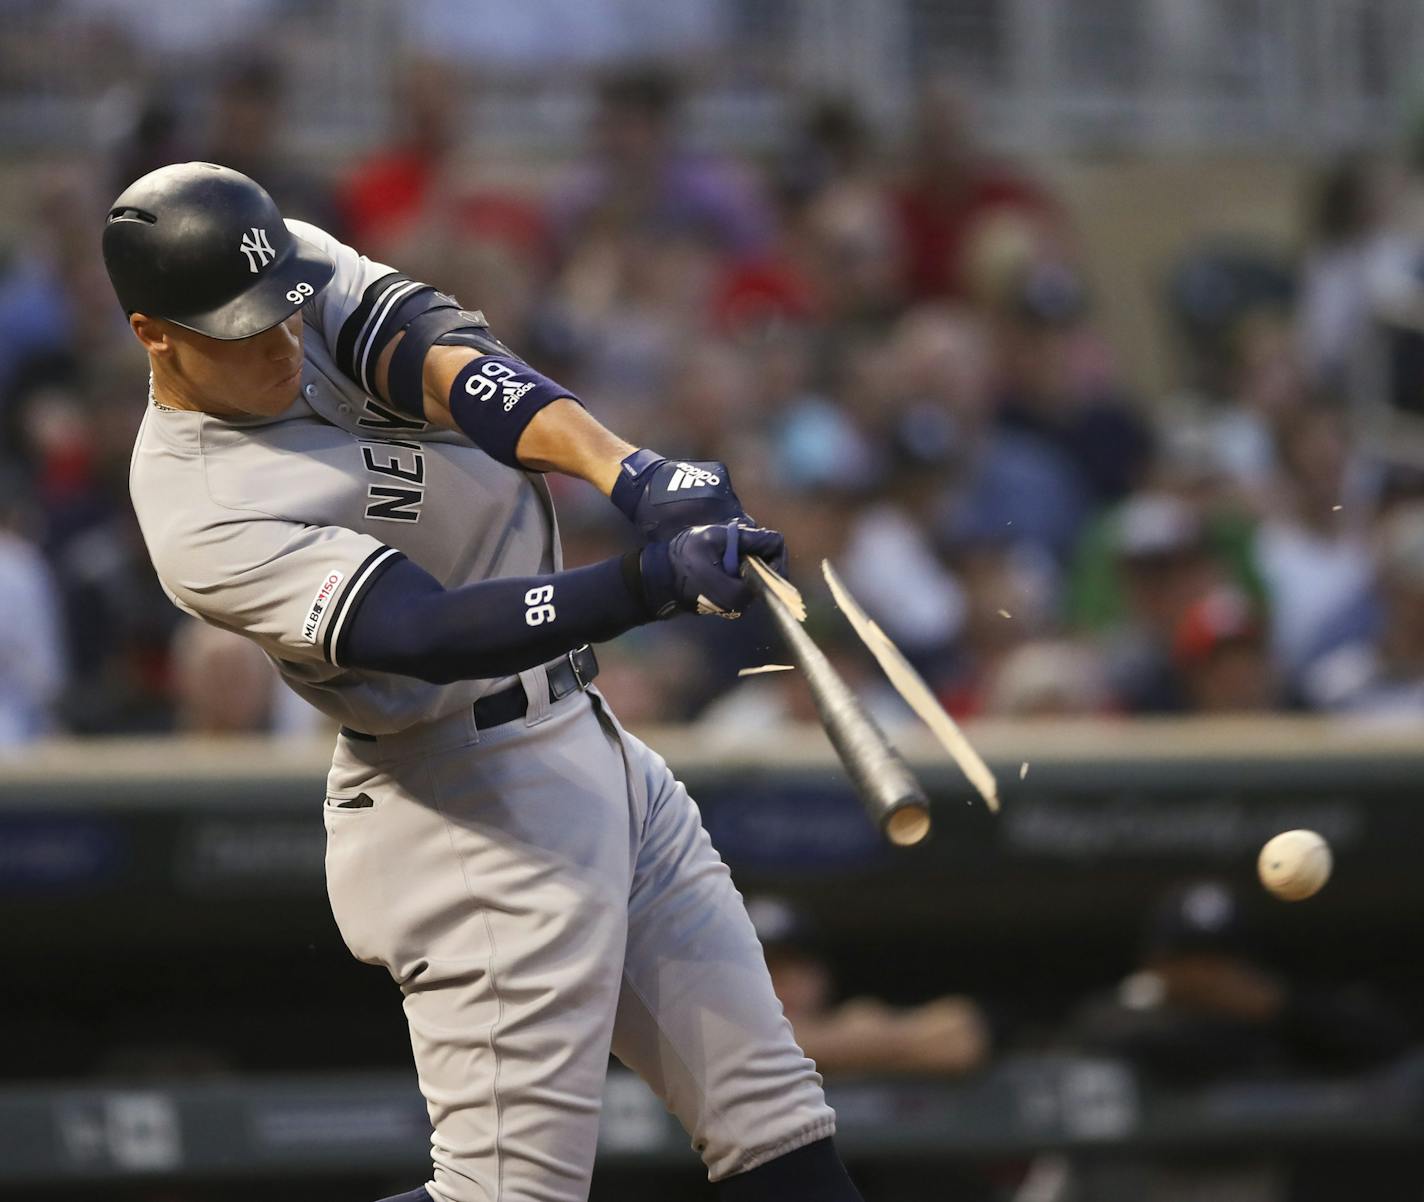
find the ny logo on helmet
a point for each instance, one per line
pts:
(258, 250)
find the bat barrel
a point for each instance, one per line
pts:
(888, 789)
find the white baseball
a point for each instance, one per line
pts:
(1295, 864)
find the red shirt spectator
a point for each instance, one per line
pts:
(952, 189)
(388, 190)
(939, 217)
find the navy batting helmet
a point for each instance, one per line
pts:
(204, 247)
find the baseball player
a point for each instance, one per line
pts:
(343, 465)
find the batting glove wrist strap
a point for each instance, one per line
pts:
(634, 473)
(656, 581)
(662, 496)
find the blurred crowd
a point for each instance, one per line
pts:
(898, 355)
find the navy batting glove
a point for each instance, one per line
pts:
(700, 570)
(662, 496)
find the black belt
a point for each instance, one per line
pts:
(573, 672)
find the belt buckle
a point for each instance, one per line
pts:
(571, 656)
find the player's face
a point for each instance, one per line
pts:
(257, 376)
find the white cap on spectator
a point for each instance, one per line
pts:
(1049, 677)
(1153, 524)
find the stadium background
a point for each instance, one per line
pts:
(1084, 338)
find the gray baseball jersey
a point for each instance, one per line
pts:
(272, 526)
(542, 891)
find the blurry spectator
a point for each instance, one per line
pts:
(415, 202)
(1164, 564)
(1001, 486)
(890, 561)
(951, 190)
(833, 145)
(815, 442)
(652, 679)
(816, 522)
(1241, 368)
(946, 1037)
(56, 440)
(245, 134)
(1381, 672)
(1256, 382)
(1186, 471)
(76, 436)
(1048, 679)
(836, 254)
(708, 411)
(1053, 383)
(1367, 304)
(1312, 552)
(756, 295)
(52, 298)
(1267, 389)
(1222, 657)
(849, 258)
(1352, 227)
(1211, 292)
(645, 232)
(632, 311)
(398, 185)
(640, 178)
(1010, 592)
(31, 652)
(223, 684)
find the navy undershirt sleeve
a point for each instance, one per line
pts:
(409, 624)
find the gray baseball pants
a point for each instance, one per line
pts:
(543, 892)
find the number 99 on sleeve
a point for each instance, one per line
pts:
(539, 610)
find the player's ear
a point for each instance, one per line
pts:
(152, 332)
